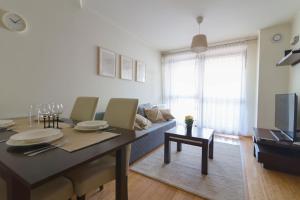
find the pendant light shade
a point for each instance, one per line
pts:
(199, 42)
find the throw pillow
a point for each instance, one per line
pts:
(142, 107)
(137, 127)
(154, 115)
(142, 122)
(167, 114)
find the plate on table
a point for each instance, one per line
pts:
(14, 143)
(94, 125)
(6, 123)
(79, 128)
(35, 135)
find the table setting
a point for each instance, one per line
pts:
(44, 145)
(43, 130)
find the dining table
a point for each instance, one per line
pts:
(23, 173)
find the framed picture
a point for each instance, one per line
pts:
(106, 62)
(140, 71)
(126, 64)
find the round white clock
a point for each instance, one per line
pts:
(277, 37)
(13, 22)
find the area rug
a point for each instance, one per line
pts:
(225, 180)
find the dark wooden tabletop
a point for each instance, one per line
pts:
(33, 171)
(197, 133)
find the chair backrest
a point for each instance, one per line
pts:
(121, 113)
(84, 108)
(3, 194)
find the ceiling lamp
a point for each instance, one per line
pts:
(199, 43)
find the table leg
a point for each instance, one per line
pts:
(121, 175)
(254, 141)
(167, 156)
(179, 146)
(16, 190)
(204, 158)
(211, 148)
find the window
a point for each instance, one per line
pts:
(209, 87)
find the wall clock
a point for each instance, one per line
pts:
(13, 22)
(277, 37)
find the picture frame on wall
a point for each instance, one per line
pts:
(106, 62)
(140, 71)
(126, 65)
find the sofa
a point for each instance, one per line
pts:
(153, 139)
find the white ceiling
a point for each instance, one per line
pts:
(170, 24)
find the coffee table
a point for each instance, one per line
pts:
(201, 137)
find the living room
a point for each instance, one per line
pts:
(211, 86)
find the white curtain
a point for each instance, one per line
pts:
(209, 86)
(183, 85)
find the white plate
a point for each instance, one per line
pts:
(22, 144)
(95, 124)
(6, 123)
(35, 135)
(78, 128)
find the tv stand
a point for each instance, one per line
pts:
(276, 154)
(279, 136)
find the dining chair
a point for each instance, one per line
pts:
(120, 113)
(58, 189)
(84, 109)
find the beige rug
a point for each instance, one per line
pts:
(225, 180)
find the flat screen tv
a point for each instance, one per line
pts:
(286, 114)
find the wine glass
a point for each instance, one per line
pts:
(59, 111)
(61, 108)
(45, 113)
(38, 112)
(30, 115)
(50, 108)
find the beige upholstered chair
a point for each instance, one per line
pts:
(57, 189)
(119, 113)
(84, 108)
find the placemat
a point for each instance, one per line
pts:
(78, 140)
(22, 124)
(75, 140)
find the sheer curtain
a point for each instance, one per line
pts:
(209, 86)
(183, 85)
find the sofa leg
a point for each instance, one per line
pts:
(81, 198)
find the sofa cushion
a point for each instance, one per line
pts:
(142, 122)
(158, 126)
(141, 108)
(137, 126)
(166, 114)
(154, 115)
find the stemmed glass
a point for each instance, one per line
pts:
(38, 113)
(45, 113)
(60, 108)
(59, 111)
(53, 112)
(30, 115)
(50, 112)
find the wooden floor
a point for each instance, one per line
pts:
(261, 184)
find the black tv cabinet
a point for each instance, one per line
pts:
(274, 154)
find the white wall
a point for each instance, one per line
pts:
(272, 79)
(55, 60)
(294, 84)
(295, 70)
(251, 83)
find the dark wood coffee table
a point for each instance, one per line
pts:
(201, 137)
